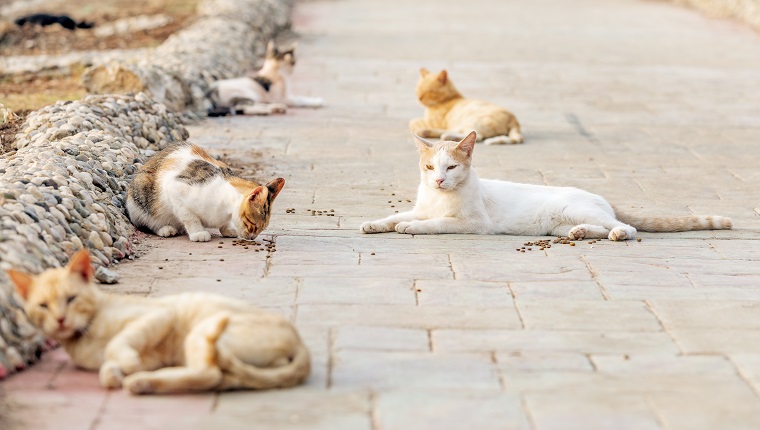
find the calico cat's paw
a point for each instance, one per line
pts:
(110, 375)
(167, 231)
(228, 231)
(200, 236)
(373, 227)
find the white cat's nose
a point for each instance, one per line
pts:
(439, 181)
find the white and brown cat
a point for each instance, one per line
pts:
(183, 189)
(265, 91)
(180, 343)
(450, 116)
(452, 199)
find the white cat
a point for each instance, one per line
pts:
(451, 199)
(263, 92)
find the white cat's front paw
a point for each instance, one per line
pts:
(316, 102)
(411, 227)
(200, 236)
(577, 233)
(622, 233)
(373, 227)
(138, 383)
(167, 231)
(110, 375)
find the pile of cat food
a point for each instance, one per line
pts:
(65, 188)
(543, 244)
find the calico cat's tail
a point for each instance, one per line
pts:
(673, 224)
(288, 375)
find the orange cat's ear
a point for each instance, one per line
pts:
(80, 264)
(22, 281)
(424, 72)
(271, 50)
(443, 77)
(423, 145)
(274, 186)
(468, 143)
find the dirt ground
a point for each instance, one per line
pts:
(33, 91)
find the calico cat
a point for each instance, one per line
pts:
(44, 20)
(450, 116)
(452, 199)
(263, 92)
(182, 188)
(179, 343)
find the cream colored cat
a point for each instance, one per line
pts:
(183, 188)
(263, 92)
(450, 116)
(180, 343)
(452, 199)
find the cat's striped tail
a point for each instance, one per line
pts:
(673, 224)
(288, 375)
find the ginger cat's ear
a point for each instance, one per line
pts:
(81, 265)
(423, 145)
(22, 281)
(468, 143)
(443, 77)
(424, 72)
(271, 50)
(274, 186)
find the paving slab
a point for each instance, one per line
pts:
(649, 104)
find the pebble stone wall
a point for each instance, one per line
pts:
(65, 186)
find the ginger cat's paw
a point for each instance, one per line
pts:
(167, 231)
(200, 236)
(373, 227)
(110, 375)
(139, 384)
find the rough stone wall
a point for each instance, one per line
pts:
(224, 42)
(65, 187)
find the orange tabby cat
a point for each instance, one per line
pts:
(179, 343)
(450, 116)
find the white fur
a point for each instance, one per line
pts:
(191, 208)
(463, 203)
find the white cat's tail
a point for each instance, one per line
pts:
(673, 224)
(243, 375)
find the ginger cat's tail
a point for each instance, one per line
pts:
(248, 376)
(673, 224)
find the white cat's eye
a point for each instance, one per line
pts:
(429, 167)
(451, 167)
(70, 299)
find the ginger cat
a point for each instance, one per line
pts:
(179, 343)
(450, 116)
(263, 92)
(452, 199)
(183, 188)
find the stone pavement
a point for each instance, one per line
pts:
(651, 105)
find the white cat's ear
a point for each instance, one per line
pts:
(468, 143)
(423, 144)
(80, 264)
(424, 72)
(274, 186)
(22, 281)
(443, 77)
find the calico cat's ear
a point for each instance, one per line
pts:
(468, 143)
(424, 72)
(423, 145)
(80, 264)
(274, 186)
(443, 77)
(22, 281)
(271, 50)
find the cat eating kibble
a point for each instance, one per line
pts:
(264, 92)
(452, 199)
(183, 188)
(450, 116)
(181, 343)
